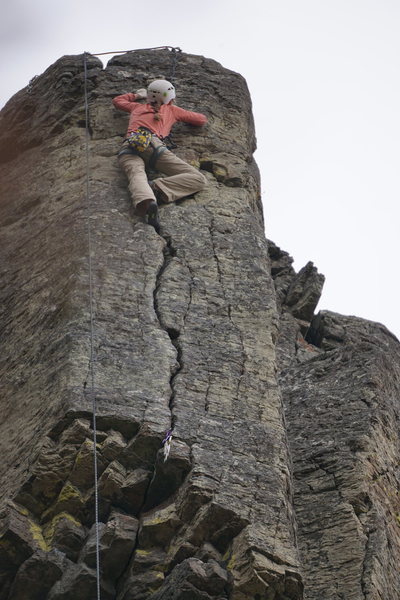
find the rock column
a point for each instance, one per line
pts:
(184, 329)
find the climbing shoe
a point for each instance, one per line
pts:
(152, 216)
(159, 194)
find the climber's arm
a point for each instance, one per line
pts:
(126, 101)
(187, 116)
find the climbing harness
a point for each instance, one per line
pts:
(92, 356)
(157, 151)
(150, 154)
(167, 443)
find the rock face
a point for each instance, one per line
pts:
(282, 477)
(341, 391)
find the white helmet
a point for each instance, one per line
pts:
(161, 91)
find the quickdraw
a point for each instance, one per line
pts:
(167, 443)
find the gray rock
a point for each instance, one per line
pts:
(184, 323)
(65, 534)
(304, 292)
(117, 540)
(79, 583)
(37, 575)
(197, 580)
(340, 410)
(282, 271)
(81, 474)
(191, 329)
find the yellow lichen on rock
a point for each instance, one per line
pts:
(69, 500)
(49, 530)
(37, 534)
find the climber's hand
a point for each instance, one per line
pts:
(141, 94)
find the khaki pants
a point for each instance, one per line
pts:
(182, 179)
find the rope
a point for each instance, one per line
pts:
(174, 59)
(92, 357)
(174, 50)
(171, 48)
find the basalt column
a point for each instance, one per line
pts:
(341, 391)
(184, 329)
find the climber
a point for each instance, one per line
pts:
(149, 124)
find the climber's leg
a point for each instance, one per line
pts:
(182, 180)
(141, 193)
(152, 215)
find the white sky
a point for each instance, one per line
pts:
(324, 79)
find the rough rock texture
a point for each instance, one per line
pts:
(184, 337)
(190, 329)
(341, 390)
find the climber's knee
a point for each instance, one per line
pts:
(200, 180)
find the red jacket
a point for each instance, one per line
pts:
(142, 115)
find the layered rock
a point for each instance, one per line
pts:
(205, 330)
(341, 390)
(184, 327)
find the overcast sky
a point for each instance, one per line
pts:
(324, 79)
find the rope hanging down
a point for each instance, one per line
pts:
(92, 357)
